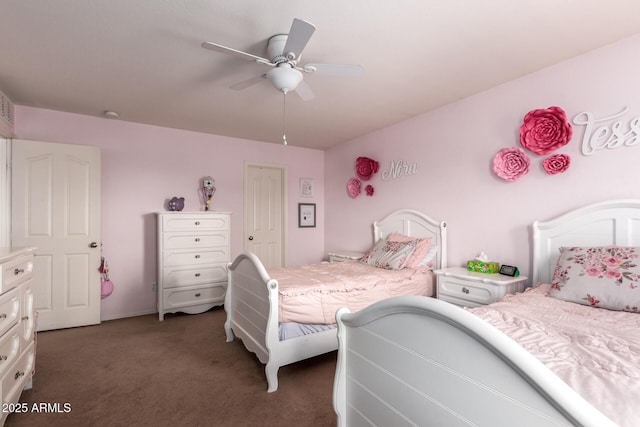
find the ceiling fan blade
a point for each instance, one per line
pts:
(237, 53)
(304, 91)
(248, 82)
(298, 37)
(335, 69)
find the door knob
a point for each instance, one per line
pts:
(93, 245)
(250, 237)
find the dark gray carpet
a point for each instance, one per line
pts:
(179, 372)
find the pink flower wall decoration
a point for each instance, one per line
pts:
(353, 187)
(545, 130)
(366, 167)
(511, 163)
(556, 163)
(369, 190)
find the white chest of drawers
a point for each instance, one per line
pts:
(193, 253)
(17, 325)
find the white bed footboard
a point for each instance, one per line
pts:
(250, 296)
(420, 361)
(251, 304)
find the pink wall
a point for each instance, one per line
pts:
(454, 147)
(144, 165)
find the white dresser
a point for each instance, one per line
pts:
(17, 325)
(193, 253)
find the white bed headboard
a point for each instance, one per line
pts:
(615, 222)
(415, 224)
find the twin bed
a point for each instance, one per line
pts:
(263, 307)
(546, 357)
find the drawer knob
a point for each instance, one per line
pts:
(197, 222)
(18, 374)
(18, 271)
(197, 239)
(198, 294)
(4, 357)
(197, 256)
(465, 290)
(3, 315)
(197, 274)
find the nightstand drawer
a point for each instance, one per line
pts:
(464, 290)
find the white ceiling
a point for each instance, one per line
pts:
(143, 59)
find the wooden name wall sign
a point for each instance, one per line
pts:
(599, 135)
(398, 169)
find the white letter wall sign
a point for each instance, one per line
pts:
(399, 168)
(613, 135)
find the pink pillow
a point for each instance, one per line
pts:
(421, 250)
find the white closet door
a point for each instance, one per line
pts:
(56, 208)
(264, 214)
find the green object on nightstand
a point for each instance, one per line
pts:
(483, 267)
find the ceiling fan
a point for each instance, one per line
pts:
(284, 52)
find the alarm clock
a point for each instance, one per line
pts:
(509, 270)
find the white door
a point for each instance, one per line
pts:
(56, 208)
(264, 213)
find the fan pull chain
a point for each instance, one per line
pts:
(284, 117)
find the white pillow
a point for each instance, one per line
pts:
(603, 276)
(428, 259)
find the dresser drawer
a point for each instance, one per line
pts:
(9, 348)
(195, 222)
(9, 309)
(178, 297)
(479, 293)
(15, 272)
(27, 315)
(195, 240)
(191, 257)
(175, 277)
(17, 375)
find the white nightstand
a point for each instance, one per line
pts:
(344, 256)
(466, 288)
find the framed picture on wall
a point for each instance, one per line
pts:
(306, 187)
(306, 215)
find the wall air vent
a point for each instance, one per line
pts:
(6, 114)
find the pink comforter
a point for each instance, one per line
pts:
(313, 293)
(596, 351)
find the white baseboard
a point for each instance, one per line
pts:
(124, 316)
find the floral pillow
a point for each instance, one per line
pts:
(421, 251)
(389, 255)
(605, 277)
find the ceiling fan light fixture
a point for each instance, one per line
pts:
(284, 78)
